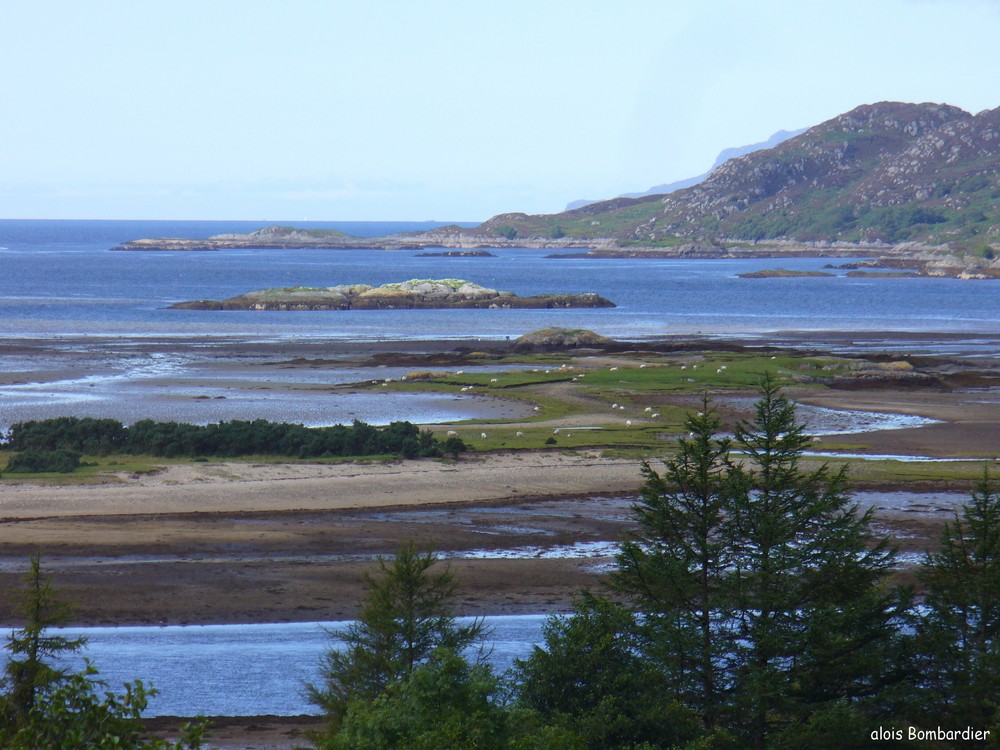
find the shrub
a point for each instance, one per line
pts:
(35, 462)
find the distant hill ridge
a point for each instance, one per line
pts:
(884, 173)
(725, 155)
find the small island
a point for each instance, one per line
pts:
(782, 273)
(457, 254)
(405, 295)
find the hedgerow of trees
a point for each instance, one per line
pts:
(51, 442)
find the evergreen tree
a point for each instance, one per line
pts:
(406, 616)
(32, 648)
(445, 703)
(590, 677)
(812, 619)
(675, 564)
(761, 586)
(960, 647)
(44, 706)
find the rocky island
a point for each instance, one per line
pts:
(405, 295)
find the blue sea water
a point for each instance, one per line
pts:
(58, 278)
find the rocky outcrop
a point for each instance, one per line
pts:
(551, 339)
(406, 295)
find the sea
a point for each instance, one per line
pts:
(61, 279)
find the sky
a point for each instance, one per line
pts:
(438, 110)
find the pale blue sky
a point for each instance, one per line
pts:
(438, 110)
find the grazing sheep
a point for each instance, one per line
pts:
(628, 422)
(519, 434)
(555, 431)
(494, 380)
(452, 433)
(648, 409)
(614, 406)
(482, 435)
(614, 369)
(655, 414)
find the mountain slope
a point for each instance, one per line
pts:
(884, 173)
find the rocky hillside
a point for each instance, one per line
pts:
(884, 173)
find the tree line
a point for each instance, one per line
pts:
(49, 444)
(753, 606)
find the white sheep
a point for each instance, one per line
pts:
(648, 409)
(628, 422)
(482, 435)
(655, 414)
(614, 369)
(519, 434)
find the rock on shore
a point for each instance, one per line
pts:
(413, 294)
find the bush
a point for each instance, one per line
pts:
(36, 462)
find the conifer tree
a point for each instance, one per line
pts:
(761, 586)
(33, 648)
(960, 632)
(813, 622)
(408, 614)
(675, 564)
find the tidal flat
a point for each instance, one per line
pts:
(531, 514)
(275, 539)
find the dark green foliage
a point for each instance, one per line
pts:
(591, 677)
(761, 587)
(222, 439)
(32, 648)
(507, 231)
(960, 634)
(406, 616)
(443, 704)
(43, 706)
(674, 563)
(60, 461)
(809, 614)
(557, 232)
(80, 712)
